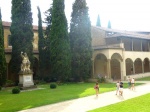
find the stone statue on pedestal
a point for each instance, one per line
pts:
(25, 74)
(25, 65)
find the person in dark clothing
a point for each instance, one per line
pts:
(121, 88)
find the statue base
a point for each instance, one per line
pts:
(26, 80)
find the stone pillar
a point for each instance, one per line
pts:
(123, 69)
(133, 69)
(143, 67)
(108, 68)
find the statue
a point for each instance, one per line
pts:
(25, 65)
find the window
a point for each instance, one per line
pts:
(9, 41)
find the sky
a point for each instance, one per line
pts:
(131, 15)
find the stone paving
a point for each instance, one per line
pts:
(92, 102)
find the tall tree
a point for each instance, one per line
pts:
(21, 33)
(98, 23)
(48, 20)
(44, 52)
(109, 24)
(59, 43)
(80, 40)
(2, 54)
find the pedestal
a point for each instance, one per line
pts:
(26, 80)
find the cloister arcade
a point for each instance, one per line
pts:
(117, 65)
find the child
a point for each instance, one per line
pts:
(96, 87)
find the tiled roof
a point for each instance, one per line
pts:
(119, 33)
(8, 24)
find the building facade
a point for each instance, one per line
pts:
(119, 54)
(116, 54)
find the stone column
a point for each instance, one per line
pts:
(133, 69)
(108, 68)
(123, 69)
(143, 67)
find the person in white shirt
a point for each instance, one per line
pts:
(133, 83)
(129, 82)
(117, 87)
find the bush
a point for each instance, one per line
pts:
(0, 88)
(9, 83)
(102, 80)
(53, 86)
(15, 90)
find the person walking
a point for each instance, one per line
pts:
(117, 87)
(132, 84)
(96, 87)
(121, 88)
(129, 82)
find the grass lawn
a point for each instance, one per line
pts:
(144, 79)
(28, 99)
(138, 104)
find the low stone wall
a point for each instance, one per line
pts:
(137, 76)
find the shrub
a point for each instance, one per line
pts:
(0, 88)
(102, 80)
(15, 90)
(53, 86)
(9, 83)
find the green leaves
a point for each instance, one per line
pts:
(60, 58)
(21, 32)
(2, 56)
(80, 41)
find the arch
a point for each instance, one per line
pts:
(138, 66)
(115, 69)
(100, 65)
(129, 66)
(116, 56)
(146, 65)
(116, 66)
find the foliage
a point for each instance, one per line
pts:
(80, 41)
(0, 88)
(101, 80)
(9, 83)
(109, 24)
(48, 21)
(44, 52)
(98, 23)
(3, 71)
(21, 33)
(53, 86)
(15, 90)
(60, 58)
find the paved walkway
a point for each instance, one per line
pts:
(92, 102)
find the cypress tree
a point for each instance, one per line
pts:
(21, 33)
(2, 55)
(44, 55)
(80, 40)
(109, 24)
(59, 43)
(98, 23)
(48, 21)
